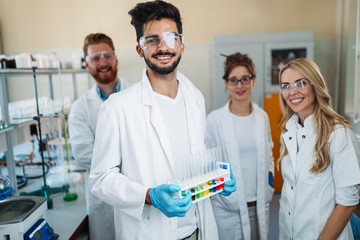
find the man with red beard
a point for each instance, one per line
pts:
(101, 62)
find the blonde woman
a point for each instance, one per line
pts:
(242, 129)
(319, 159)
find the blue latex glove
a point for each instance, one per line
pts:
(271, 179)
(172, 207)
(230, 186)
(355, 226)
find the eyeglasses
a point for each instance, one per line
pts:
(235, 81)
(95, 58)
(150, 42)
(300, 85)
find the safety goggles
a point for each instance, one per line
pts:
(235, 81)
(95, 58)
(151, 42)
(300, 85)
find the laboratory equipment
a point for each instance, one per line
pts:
(41, 230)
(45, 190)
(202, 174)
(3, 124)
(6, 187)
(20, 214)
(68, 176)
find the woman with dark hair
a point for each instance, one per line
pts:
(242, 129)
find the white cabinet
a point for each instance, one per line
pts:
(265, 50)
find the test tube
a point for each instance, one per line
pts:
(196, 164)
(186, 168)
(206, 160)
(213, 159)
(201, 160)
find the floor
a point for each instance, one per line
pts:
(84, 234)
(274, 217)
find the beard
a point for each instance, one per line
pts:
(162, 70)
(110, 76)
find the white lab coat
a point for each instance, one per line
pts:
(307, 200)
(132, 153)
(221, 133)
(82, 126)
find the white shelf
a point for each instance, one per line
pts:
(46, 71)
(20, 133)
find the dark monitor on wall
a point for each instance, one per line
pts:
(280, 57)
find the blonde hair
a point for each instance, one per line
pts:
(325, 118)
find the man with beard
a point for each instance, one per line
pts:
(101, 62)
(143, 131)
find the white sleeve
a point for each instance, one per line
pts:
(344, 158)
(347, 196)
(81, 136)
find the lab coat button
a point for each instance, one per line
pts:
(303, 136)
(290, 138)
(292, 187)
(289, 213)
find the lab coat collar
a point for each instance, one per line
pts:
(309, 122)
(93, 94)
(148, 99)
(147, 95)
(291, 135)
(102, 95)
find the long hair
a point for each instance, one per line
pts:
(325, 118)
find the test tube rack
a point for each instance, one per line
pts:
(206, 185)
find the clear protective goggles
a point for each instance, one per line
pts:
(300, 85)
(172, 40)
(95, 58)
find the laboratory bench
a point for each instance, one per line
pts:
(68, 219)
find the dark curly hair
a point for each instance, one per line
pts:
(145, 12)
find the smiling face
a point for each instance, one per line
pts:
(104, 71)
(240, 92)
(301, 100)
(163, 59)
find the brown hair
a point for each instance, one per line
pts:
(95, 38)
(238, 59)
